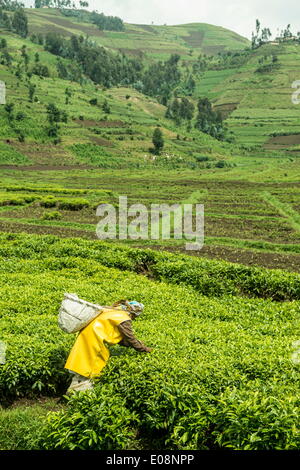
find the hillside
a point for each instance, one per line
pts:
(258, 104)
(118, 139)
(250, 192)
(150, 41)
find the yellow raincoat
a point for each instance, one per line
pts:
(89, 354)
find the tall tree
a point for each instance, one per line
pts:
(20, 23)
(158, 141)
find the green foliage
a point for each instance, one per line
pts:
(230, 381)
(161, 78)
(48, 202)
(53, 215)
(21, 427)
(104, 23)
(250, 420)
(91, 422)
(99, 156)
(158, 140)
(20, 23)
(21, 200)
(178, 110)
(8, 155)
(73, 204)
(209, 121)
(55, 115)
(109, 23)
(97, 63)
(261, 37)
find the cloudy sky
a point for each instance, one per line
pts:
(237, 15)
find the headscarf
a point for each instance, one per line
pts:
(130, 306)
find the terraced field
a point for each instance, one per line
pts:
(250, 221)
(259, 105)
(151, 41)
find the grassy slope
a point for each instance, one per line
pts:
(153, 41)
(138, 113)
(263, 100)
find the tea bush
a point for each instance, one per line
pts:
(54, 215)
(73, 204)
(220, 375)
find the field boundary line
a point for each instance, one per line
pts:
(284, 209)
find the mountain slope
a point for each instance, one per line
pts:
(121, 138)
(257, 97)
(151, 40)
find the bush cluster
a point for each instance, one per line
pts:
(230, 384)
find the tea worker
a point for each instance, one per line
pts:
(89, 354)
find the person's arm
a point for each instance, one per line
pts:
(129, 340)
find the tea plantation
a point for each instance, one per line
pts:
(221, 374)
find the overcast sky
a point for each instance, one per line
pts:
(236, 15)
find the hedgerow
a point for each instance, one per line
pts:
(220, 374)
(209, 277)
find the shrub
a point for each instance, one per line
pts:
(54, 215)
(48, 202)
(91, 422)
(230, 383)
(73, 204)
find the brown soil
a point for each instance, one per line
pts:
(146, 27)
(64, 232)
(287, 262)
(135, 52)
(64, 23)
(90, 123)
(45, 167)
(226, 109)
(44, 154)
(26, 402)
(282, 142)
(194, 39)
(212, 50)
(102, 142)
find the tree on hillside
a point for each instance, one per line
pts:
(9, 108)
(261, 37)
(287, 33)
(55, 115)
(106, 107)
(31, 91)
(209, 121)
(54, 43)
(20, 23)
(5, 20)
(161, 78)
(11, 5)
(180, 110)
(157, 141)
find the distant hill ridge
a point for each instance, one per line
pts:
(154, 41)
